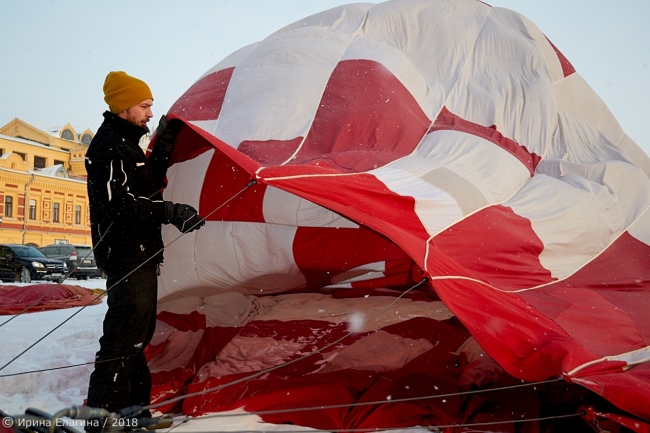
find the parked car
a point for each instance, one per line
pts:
(79, 258)
(24, 263)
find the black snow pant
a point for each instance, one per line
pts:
(129, 325)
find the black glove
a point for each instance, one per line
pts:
(183, 216)
(166, 133)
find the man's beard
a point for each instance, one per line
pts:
(135, 120)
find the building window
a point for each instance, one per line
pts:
(9, 206)
(32, 209)
(77, 214)
(66, 134)
(86, 139)
(57, 162)
(40, 162)
(55, 212)
(22, 155)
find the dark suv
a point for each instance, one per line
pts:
(24, 263)
(79, 258)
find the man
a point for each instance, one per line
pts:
(126, 212)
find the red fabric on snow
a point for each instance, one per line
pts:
(14, 299)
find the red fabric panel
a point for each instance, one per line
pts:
(363, 199)
(321, 253)
(203, 101)
(435, 371)
(166, 385)
(447, 120)
(596, 323)
(189, 144)
(625, 265)
(522, 340)
(14, 299)
(442, 335)
(629, 390)
(270, 152)
(183, 322)
(504, 406)
(313, 333)
(604, 304)
(276, 392)
(608, 421)
(598, 311)
(187, 147)
(365, 119)
(567, 67)
(495, 245)
(412, 382)
(248, 206)
(213, 340)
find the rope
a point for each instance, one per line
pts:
(251, 183)
(63, 367)
(430, 427)
(373, 403)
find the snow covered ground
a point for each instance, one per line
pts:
(75, 342)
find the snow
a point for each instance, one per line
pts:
(73, 343)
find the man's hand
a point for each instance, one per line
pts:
(166, 133)
(183, 216)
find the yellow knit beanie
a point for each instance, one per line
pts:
(122, 91)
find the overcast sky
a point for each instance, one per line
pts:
(54, 55)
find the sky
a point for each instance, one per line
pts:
(54, 55)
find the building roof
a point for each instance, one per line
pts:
(53, 170)
(31, 143)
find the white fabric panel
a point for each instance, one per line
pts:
(428, 67)
(179, 270)
(341, 19)
(505, 84)
(252, 258)
(624, 188)
(369, 271)
(641, 228)
(232, 60)
(206, 125)
(492, 170)
(281, 207)
(468, 197)
(435, 208)
(298, 62)
(574, 96)
(425, 167)
(552, 61)
(577, 142)
(577, 211)
(185, 180)
(634, 153)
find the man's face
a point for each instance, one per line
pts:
(138, 114)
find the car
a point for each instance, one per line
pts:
(79, 258)
(24, 263)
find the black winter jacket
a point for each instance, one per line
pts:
(124, 190)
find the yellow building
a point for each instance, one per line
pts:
(43, 196)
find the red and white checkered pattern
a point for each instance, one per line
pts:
(425, 137)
